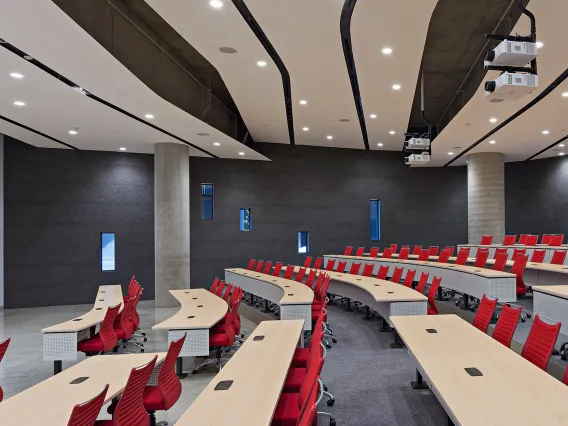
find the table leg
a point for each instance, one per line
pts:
(384, 326)
(266, 310)
(57, 367)
(368, 314)
(465, 306)
(398, 343)
(440, 296)
(348, 308)
(179, 368)
(419, 383)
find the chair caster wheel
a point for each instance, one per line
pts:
(330, 402)
(529, 315)
(334, 340)
(563, 357)
(523, 320)
(332, 422)
(141, 350)
(242, 335)
(325, 387)
(145, 339)
(194, 372)
(328, 346)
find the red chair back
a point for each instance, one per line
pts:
(300, 275)
(518, 269)
(433, 309)
(106, 331)
(320, 292)
(220, 288)
(397, 275)
(417, 250)
(125, 317)
(368, 269)
(444, 256)
(405, 247)
(556, 240)
(450, 249)
(317, 289)
(354, 270)
(360, 251)
(404, 252)
(523, 238)
(558, 257)
(341, 266)
(308, 414)
(311, 277)
(168, 382)
(348, 251)
(86, 414)
(130, 409)
(500, 262)
(422, 282)
(250, 266)
(374, 252)
(409, 279)
(538, 256)
(393, 247)
(259, 266)
(500, 251)
(308, 262)
(532, 240)
(318, 263)
(433, 250)
(484, 313)
(516, 252)
(237, 291)
(330, 265)
(540, 343)
(506, 325)
(463, 254)
(277, 269)
(289, 272)
(383, 272)
(214, 285)
(509, 240)
(424, 255)
(486, 240)
(546, 239)
(481, 258)
(267, 267)
(227, 291)
(3, 349)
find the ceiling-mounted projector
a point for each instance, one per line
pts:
(511, 54)
(417, 144)
(417, 159)
(510, 85)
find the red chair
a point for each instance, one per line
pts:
(433, 250)
(540, 343)
(259, 266)
(221, 338)
(409, 279)
(3, 349)
(506, 325)
(368, 269)
(538, 256)
(360, 251)
(214, 285)
(397, 275)
(289, 272)
(509, 240)
(86, 414)
(163, 396)
(267, 267)
(532, 240)
(341, 267)
(297, 375)
(546, 239)
(500, 262)
(565, 377)
(422, 282)
(500, 251)
(417, 250)
(374, 252)
(123, 325)
(444, 256)
(330, 265)
(320, 291)
(393, 248)
(383, 272)
(523, 238)
(424, 255)
(558, 257)
(518, 269)
(486, 240)
(354, 269)
(432, 308)
(250, 266)
(318, 263)
(404, 252)
(463, 254)
(481, 258)
(516, 252)
(450, 249)
(484, 313)
(387, 253)
(556, 240)
(220, 288)
(311, 277)
(348, 251)
(227, 291)
(300, 275)
(106, 339)
(302, 355)
(308, 262)
(277, 269)
(405, 247)
(309, 415)
(130, 409)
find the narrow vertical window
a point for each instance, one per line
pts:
(107, 251)
(245, 220)
(207, 201)
(303, 242)
(375, 217)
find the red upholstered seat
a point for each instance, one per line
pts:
(307, 262)
(481, 258)
(106, 338)
(565, 377)
(383, 272)
(518, 269)
(509, 240)
(268, 267)
(409, 279)
(432, 308)
(330, 265)
(486, 240)
(86, 414)
(374, 252)
(360, 251)
(500, 261)
(463, 254)
(348, 251)
(318, 262)
(444, 255)
(93, 344)
(397, 275)
(506, 325)
(538, 256)
(289, 272)
(558, 257)
(288, 410)
(294, 379)
(153, 399)
(417, 250)
(368, 269)
(422, 282)
(277, 269)
(484, 313)
(259, 266)
(423, 255)
(387, 253)
(404, 252)
(354, 269)
(301, 357)
(3, 349)
(540, 342)
(341, 266)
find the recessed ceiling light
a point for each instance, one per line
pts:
(216, 143)
(545, 132)
(539, 44)
(379, 144)
(492, 142)
(303, 102)
(305, 129)
(565, 94)
(450, 153)
(330, 137)
(149, 116)
(387, 51)
(396, 86)
(561, 145)
(122, 148)
(373, 116)
(16, 75)
(19, 103)
(73, 131)
(241, 153)
(392, 132)
(560, 153)
(217, 4)
(261, 64)
(493, 120)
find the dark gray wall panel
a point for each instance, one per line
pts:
(325, 191)
(57, 202)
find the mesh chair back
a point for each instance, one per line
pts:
(86, 414)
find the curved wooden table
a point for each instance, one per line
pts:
(294, 298)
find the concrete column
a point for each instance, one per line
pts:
(486, 196)
(171, 210)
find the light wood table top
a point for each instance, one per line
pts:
(107, 295)
(295, 293)
(51, 401)
(554, 290)
(484, 272)
(258, 371)
(494, 399)
(200, 309)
